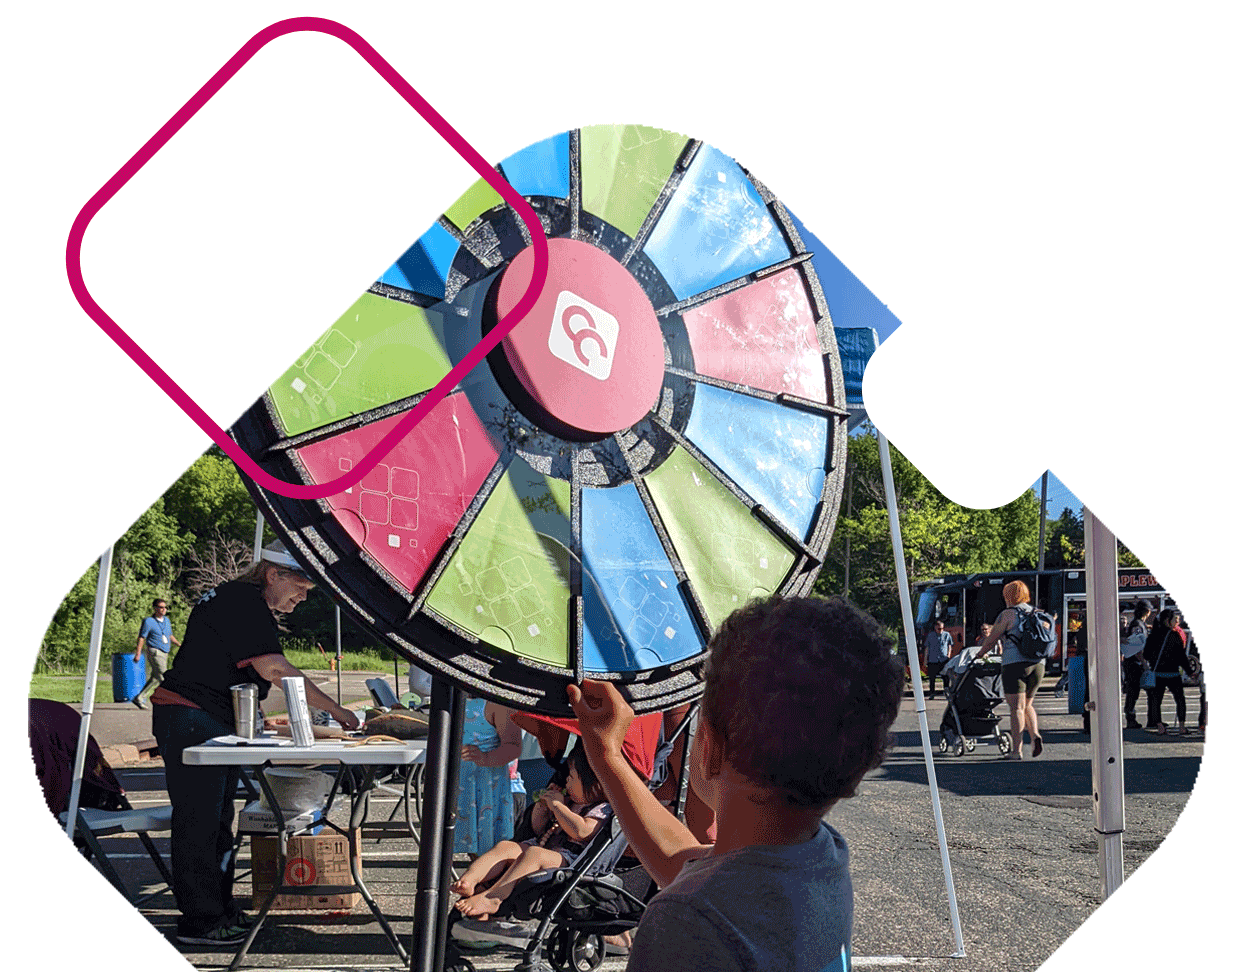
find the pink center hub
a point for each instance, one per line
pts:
(590, 352)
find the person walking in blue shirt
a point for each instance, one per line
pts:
(155, 640)
(937, 647)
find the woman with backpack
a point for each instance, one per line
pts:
(1022, 670)
(1163, 656)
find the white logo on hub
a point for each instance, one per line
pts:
(583, 335)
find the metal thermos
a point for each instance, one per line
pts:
(244, 705)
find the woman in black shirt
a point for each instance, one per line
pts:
(231, 638)
(1165, 654)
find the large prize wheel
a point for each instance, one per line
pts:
(660, 440)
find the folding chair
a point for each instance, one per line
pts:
(382, 694)
(93, 824)
(103, 809)
(410, 795)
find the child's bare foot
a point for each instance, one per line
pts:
(478, 905)
(464, 886)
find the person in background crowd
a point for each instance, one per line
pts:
(1194, 668)
(938, 644)
(155, 640)
(1132, 660)
(1020, 675)
(231, 638)
(1165, 654)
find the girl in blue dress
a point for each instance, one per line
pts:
(485, 806)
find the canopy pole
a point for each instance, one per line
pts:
(918, 691)
(338, 650)
(1104, 699)
(87, 697)
(1044, 512)
(258, 539)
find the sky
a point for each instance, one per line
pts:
(1059, 498)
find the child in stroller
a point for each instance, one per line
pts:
(569, 919)
(973, 692)
(563, 822)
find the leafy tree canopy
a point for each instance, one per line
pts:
(209, 500)
(939, 536)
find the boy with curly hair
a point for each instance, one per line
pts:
(799, 699)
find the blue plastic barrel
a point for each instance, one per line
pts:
(128, 677)
(1076, 685)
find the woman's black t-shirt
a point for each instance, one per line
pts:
(230, 625)
(1165, 653)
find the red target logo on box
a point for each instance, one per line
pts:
(300, 870)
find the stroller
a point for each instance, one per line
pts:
(973, 691)
(574, 908)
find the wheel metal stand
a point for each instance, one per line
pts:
(445, 723)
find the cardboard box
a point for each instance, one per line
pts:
(311, 860)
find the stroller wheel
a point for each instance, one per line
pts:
(556, 948)
(961, 746)
(456, 963)
(1004, 742)
(970, 745)
(587, 952)
(943, 745)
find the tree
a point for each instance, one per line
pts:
(210, 500)
(145, 565)
(939, 536)
(214, 561)
(1064, 543)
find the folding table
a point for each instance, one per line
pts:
(366, 757)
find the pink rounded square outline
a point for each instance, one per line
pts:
(359, 470)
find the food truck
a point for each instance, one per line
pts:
(966, 601)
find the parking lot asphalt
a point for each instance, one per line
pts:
(1021, 843)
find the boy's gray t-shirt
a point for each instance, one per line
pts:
(786, 908)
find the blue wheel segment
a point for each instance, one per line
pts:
(541, 169)
(716, 228)
(425, 266)
(759, 445)
(634, 617)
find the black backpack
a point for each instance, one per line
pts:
(1037, 637)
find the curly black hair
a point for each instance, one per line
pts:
(801, 693)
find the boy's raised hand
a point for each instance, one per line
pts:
(603, 716)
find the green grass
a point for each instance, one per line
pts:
(67, 688)
(357, 661)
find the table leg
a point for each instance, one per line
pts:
(261, 916)
(411, 782)
(280, 860)
(359, 808)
